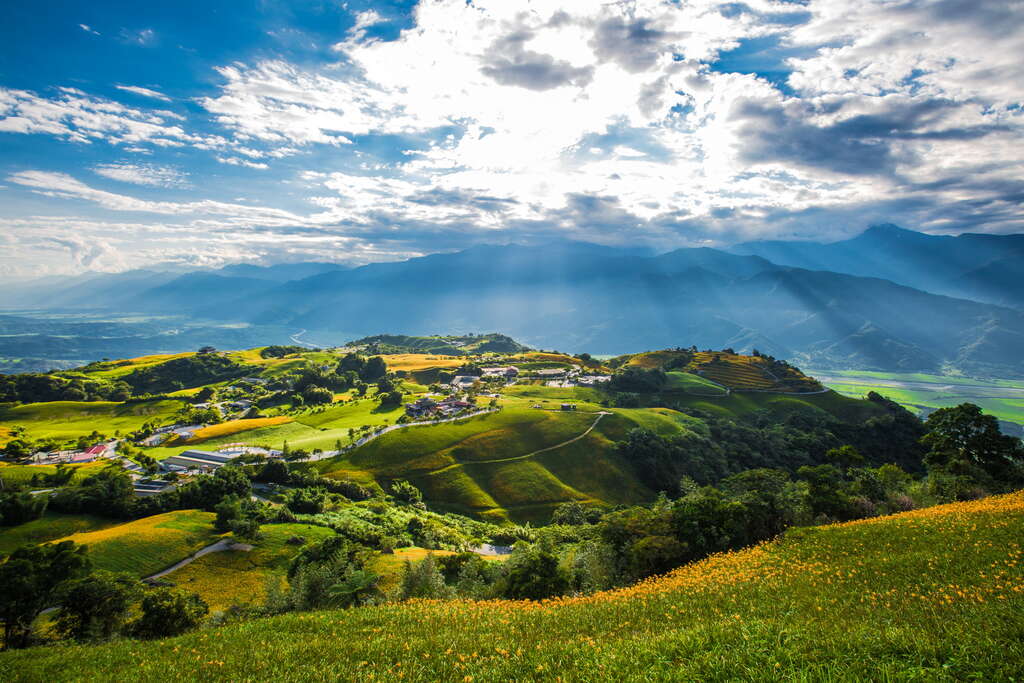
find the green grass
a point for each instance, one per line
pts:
(50, 526)
(935, 595)
(490, 467)
(147, 545)
(237, 577)
(70, 419)
(23, 474)
(692, 384)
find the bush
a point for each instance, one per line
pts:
(168, 612)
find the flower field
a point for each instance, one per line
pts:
(932, 595)
(147, 545)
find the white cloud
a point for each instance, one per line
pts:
(89, 29)
(143, 174)
(78, 117)
(145, 92)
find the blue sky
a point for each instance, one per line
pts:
(203, 133)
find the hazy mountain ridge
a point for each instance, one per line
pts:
(575, 296)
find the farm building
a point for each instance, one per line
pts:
(501, 372)
(464, 381)
(568, 406)
(197, 460)
(420, 407)
(551, 373)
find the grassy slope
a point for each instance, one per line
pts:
(477, 466)
(70, 419)
(898, 598)
(50, 526)
(22, 474)
(238, 577)
(148, 545)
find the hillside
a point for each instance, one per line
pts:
(451, 345)
(901, 597)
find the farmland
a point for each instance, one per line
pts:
(894, 598)
(922, 392)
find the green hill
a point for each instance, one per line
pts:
(934, 595)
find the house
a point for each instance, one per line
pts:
(450, 406)
(241, 404)
(149, 487)
(551, 373)
(84, 456)
(588, 380)
(197, 460)
(98, 451)
(421, 407)
(156, 439)
(568, 406)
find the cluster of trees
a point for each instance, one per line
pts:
(181, 373)
(279, 351)
(638, 380)
(91, 606)
(36, 387)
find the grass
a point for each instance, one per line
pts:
(119, 368)
(52, 525)
(689, 383)
(70, 419)
(147, 545)
(932, 595)
(237, 577)
(236, 426)
(492, 466)
(22, 474)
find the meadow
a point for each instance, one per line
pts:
(51, 526)
(64, 420)
(145, 546)
(239, 577)
(892, 598)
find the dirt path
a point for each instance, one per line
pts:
(528, 455)
(220, 546)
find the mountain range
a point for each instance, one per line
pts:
(890, 299)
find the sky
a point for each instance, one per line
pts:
(204, 132)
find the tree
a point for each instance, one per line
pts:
(534, 574)
(18, 508)
(964, 441)
(168, 612)
(407, 493)
(229, 510)
(33, 578)
(391, 399)
(374, 369)
(351, 363)
(97, 606)
(204, 395)
(423, 580)
(315, 396)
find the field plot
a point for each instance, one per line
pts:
(147, 545)
(890, 598)
(236, 426)
(923, 393)
(23, 474)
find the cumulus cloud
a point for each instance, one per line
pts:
(649, 121)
